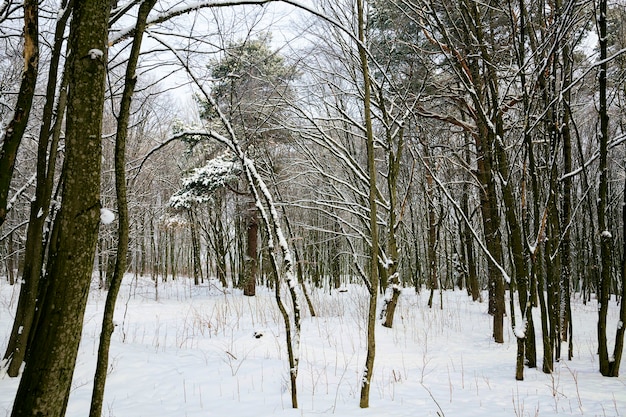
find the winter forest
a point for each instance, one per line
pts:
(293, 207)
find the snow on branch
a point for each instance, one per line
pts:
(21, 191)
(199, 186)
(263, 197)
(479, 241)
(172, 12)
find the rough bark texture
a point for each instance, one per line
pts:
(252, 251)
(371, 165)
(195, 246)
(39, 210)
(485, 99)
(606, 240)
(122, 209)
(17, 126)
(618, 350)
(45, 385)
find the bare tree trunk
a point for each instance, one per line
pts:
(195, 248)
(606, 240)
(468, 246)
(45, 385)
(394, 157)
(14, 132)
(252, 252)
(566, 212)
(618, 349)
(488, 120)
(122, 208)
(373, 223)
(10, 264)
(36, 241)
(433, 273)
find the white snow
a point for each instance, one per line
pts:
(188, 350)
(606, 234)
(106, 216)
(95, 53)
(199, 185)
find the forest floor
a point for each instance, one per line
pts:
(183, 350)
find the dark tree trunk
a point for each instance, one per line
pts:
(433, 272)
(488, 117)
(14, 131)
(618, 349)
(606, 240)
(392, 286)
(372, 205)
(468, 246)
(548, 365)
(566, 207)
(45, 385)
(122, 208)
(491, 222)
(39, 210)
(252, 251)
(195, 248)
(10, 260)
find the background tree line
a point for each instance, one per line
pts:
(404, 143)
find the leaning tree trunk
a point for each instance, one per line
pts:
(40, 207)
(45, 385)
(122, 208)
(14, 131)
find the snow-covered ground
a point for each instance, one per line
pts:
(183, 350)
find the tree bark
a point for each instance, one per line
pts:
(566, 213)
(195, 248)
(14, 131)
(394, 157)
(606, 240)
(122, 209)
(373, 224)
(40, 207)
(618, 349)
(252, 251)
(45, 385)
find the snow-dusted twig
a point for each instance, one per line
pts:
(478, 240)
